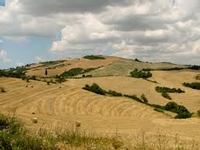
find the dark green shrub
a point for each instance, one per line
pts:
(93, 57)
(168, 90)
(182, 111)
(133, 97)
(194, 67)
(193, 85)
(166, 95)
(17, 72)
(183, 115)
(140, 74)
(159, 110)
(95, 88)
(114, 93)
(171, 106)
(143, 97)
(60, 79)
(27, 80)
(72, 72)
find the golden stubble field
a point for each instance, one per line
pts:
(62, 104)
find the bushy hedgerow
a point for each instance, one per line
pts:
(194, 67)
(193, 85)
(133, 97)
(166, 90)
(60, 79)
(114, 93)
(93, 57)
(170, 69)
(95, 88)
(18, 72)
(140, 74)
(72, 72)
(182, 111)
(166, 95)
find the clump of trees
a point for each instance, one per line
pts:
(141, 73)
(165, 90)
(114, 93)
(18, 72)
(95, 88)
(72, 72)
(93, 57)
(194, 67)
(169, 90)
(193, 85)
(181, 111)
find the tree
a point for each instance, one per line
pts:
(46, 72)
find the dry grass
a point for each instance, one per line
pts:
(14, 135)
(54, 106)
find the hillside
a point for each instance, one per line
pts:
(110, 66)
(61, 104)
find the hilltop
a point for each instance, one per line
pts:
(98, 65)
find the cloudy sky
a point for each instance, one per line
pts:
(150, 30)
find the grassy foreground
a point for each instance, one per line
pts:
(15, 136)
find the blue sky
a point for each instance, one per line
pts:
(158, 31)
(2, 2)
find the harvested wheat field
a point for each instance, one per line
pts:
(61, 105)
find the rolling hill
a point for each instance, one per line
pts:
(56, 104)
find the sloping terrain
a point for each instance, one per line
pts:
(52, 103)
(58, 67)
(123, 67)
(110, 66)
(62, 104)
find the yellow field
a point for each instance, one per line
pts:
(63, 104)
